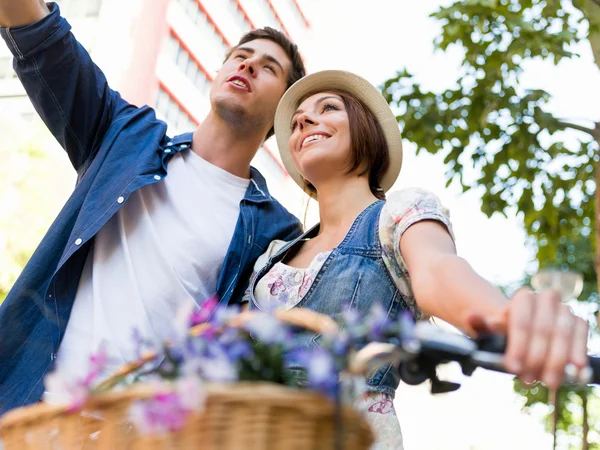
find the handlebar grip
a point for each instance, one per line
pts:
(595, 366)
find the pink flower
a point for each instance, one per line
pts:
(64, 391)
(206, 311)
(169, 409)
(98, 362)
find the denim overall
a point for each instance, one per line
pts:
(354, 274)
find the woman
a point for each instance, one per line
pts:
(340, 142)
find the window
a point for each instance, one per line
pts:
(296, 14)
(269, 14)
(237, 14)
(175, 117)
(188, 65)
(207, 31)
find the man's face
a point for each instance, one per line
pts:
(250, 83)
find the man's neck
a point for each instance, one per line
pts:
(225, 147)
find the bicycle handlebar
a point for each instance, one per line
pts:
(426, 346)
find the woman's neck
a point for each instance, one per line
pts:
(340, 202)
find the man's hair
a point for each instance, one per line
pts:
(297, 70)
(369, 151)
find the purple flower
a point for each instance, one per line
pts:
(222, 315)
(406, 324)
(238, 350)
(340, 342)
(352, 322)
(377, 322)
(351, 317)
(321, 372)
(141, 345)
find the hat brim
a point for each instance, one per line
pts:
(360, 89)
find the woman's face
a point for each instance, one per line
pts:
(320, 140)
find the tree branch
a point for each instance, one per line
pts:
(574, 126)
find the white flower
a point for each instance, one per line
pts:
(321, 368)
(266, 329)
(191, 392)
(219, 369)
(64, 391)
(181, 323)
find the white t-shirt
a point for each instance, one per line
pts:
(162, 251)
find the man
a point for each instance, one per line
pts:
(132, 246)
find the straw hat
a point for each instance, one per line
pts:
(360, 89)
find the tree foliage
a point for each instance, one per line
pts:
(497, 135)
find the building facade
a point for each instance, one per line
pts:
(165, 53)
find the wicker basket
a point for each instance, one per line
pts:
(249, 416)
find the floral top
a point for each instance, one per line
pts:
(284, 286)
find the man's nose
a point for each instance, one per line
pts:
(248, 65)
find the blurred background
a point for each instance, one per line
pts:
(498, 104)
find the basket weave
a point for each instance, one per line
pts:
(249, 416)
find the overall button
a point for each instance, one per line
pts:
(157, 177)
(120, 200)
(78, 241)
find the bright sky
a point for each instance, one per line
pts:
(376, 38)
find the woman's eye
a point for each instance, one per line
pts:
(271, 68)
(329, 107)
(293, 125)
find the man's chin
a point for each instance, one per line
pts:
(230, 109)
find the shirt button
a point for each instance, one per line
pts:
(157, 177)
(78, 241)
(120, 200)
(169, 144)
(182, 146)
(167, 150)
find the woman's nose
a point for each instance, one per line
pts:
(305, 120)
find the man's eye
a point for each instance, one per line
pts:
(271, 68)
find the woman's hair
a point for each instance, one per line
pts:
(369, 152)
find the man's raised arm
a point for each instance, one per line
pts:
(17, 13)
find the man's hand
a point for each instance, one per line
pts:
(16, 13)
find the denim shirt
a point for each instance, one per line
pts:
(354, 275)
(116, 149)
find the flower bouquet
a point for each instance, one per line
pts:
(221, 382)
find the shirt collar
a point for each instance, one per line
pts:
(257, 191)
